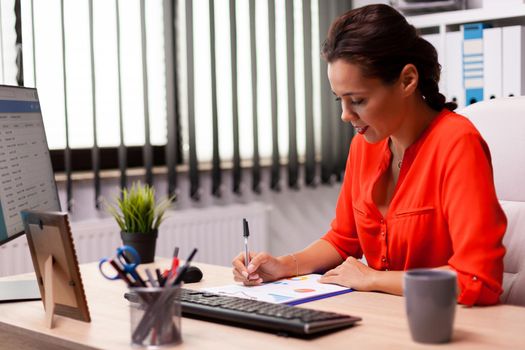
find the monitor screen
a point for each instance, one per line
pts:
(27, 180)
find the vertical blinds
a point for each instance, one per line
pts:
(284, 40)
(240, 84)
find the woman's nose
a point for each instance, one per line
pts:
(348, 115)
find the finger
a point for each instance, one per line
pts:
(257, 261)
(253, 277)
(238, 277)
(239, 258)
(238, 274)
(241, 276)
(253, 283)
(332, 272)
(238, 265)
(329, 279)
(351, 259)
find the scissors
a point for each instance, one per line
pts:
(125, 263)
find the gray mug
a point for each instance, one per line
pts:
(430, 297)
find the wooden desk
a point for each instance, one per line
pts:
(384, 323)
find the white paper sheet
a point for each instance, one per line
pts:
(286, 291)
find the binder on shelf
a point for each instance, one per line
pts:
(453, 68)
(493, 70)
(513, 61)
(473, 62)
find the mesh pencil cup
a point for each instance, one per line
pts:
(156, 318)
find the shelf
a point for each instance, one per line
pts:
(467, 16)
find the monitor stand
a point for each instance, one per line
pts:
(21, 290)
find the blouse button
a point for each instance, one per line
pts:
(382, 221)
(383, 259)
(474, 278)
(382, 233)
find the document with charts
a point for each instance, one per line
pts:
(291, 291)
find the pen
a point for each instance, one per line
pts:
(160, 279)
(133, 272)
(175, 261)
(143, 328)
(138, 278)
(122, 274)
(151, 279)
(183, 269)
(246, 233)
(174, 265)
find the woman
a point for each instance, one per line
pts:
(418, 189)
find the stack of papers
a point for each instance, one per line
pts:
(291, 291)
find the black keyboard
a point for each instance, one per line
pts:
(259, 315)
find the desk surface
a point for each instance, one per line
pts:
(384, 322)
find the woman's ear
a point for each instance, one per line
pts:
(409, 78)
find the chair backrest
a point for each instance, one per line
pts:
(501, 122)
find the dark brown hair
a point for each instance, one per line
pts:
(381, 42)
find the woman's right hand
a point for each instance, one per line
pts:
(263, 267)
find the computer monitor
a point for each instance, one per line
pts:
(27, 180)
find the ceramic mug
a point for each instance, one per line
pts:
(430, 297)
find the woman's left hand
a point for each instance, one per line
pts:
(352, 274)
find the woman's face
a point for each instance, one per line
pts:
(374, 109)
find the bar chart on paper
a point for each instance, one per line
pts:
(291, 291)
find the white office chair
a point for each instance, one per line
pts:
(501, 122)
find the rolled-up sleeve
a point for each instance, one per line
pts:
(476, 221)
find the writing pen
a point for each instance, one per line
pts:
(160, 278)
(146, 323)
(123, 276)
(183, 269)
(133, 272)
(175, 261)
(151, 279)
(246, 234)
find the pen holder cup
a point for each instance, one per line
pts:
(155, 318)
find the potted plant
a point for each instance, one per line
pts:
(139, 218)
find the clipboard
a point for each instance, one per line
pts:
(56, 265)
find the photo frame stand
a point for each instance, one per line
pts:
(56, 266)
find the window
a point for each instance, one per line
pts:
(86, 59)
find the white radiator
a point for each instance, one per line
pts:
(215, 231)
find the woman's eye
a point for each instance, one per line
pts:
(352, 102)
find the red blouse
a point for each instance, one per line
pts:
(444, 210)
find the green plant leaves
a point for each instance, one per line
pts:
(136, 211)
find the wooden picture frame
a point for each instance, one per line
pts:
(56, 266)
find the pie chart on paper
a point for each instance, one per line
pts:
(304, 290)
(298, 278)
(292, 290)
